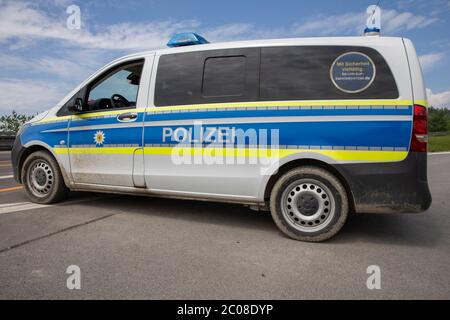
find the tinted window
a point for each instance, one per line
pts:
(178, 79)
(207, 77)
(303, 73)
(224, 76)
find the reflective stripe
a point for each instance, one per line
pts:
(240, 105)
(236, 120)
(95, 150)
(337, 155)
(421, 102)
(285, 103)
(276, 120)
(91, 115)
(99, 127)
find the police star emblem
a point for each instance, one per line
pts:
(99, 137)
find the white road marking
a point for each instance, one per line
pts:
(437, 153)
(23, 206)
(6, 177)
(12, 204)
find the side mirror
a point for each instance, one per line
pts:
(76, 107)
(133, 79)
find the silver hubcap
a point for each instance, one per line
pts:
(40, 178)
(308, 205)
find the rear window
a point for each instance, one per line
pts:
(212, 76)
(308, 73)
(273, 74)
(224, 76)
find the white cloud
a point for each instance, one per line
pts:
(229, 31)
(28, 96)
(47, 66)
(393, 21)
(439, 100)
(24, 22)
(353, 23)
(21, 21)
(430, 60)
(348, 23)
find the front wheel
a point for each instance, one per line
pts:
(309, 204)
(42, 178)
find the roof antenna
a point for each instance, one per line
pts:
(373, 24)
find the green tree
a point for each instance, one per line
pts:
(11, 123)
(438, 120)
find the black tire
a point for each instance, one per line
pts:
(314, 194)
(42, 178)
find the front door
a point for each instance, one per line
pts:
(105, 140)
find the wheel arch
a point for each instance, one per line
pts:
(34, 146)
(308, 162)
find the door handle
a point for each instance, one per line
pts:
(127, 117)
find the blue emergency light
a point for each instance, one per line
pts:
(186, 39)
(372, 31)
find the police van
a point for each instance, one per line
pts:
(311, 129)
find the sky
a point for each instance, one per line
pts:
(41, 59)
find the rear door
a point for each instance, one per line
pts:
(105, 140)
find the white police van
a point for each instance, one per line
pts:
(312, 129)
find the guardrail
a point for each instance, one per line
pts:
(440, 133)
(6, 141)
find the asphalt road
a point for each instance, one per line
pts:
(149, 248)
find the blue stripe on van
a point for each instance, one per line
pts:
(276, 113)
(340, 133)
(36, 132)
(360, 134)
(78, 122)
(115, 136)
(182, 115)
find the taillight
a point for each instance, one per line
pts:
(419, 137)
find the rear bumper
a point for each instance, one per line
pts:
(392, 187)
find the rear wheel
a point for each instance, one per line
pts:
(42, 178)
(309, 204)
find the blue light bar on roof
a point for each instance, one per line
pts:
(186, 39)
(374, 31)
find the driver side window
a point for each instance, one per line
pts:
(117, 89)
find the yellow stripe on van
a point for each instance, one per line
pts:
(51, 119)
(94, 150)
(336, 155)
(92, 114)
(293, 103)
(422, 102)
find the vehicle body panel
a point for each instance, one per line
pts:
(365, 140)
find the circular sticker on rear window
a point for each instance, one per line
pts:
(352, 72)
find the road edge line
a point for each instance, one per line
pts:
(438, 153)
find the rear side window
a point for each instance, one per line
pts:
(224, 76)
(311, 73)
(230, 75)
